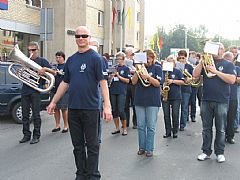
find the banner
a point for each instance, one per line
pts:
(4, 4)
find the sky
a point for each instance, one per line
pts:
(219, 16)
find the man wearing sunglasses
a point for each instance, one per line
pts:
(31, 98)
(84, 71)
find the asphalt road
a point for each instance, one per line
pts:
(174, 159)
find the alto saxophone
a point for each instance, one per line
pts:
(166, 88)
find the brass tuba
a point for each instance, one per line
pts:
(166, 88)
(141, 69)
(24, 69)
(207, 59)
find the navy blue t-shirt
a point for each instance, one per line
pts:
(175, 90)
(26, 90)
(58, 77)
(215, 89)
(83, 71)
(187, 88)
(117, 86)
(149, 96)
(233, 87)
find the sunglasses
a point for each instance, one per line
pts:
(32, 49)
(81, 35)
(181, 57)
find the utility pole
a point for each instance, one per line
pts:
(185, 38)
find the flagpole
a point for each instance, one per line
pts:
(121, 27)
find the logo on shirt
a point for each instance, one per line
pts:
(121, 72)
(173, 76)
(83, 67)
(150, 73)
(220, 68)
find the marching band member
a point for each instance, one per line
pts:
(118, 90)
(174, 80)
(214, 104)
(130, 90)
(147, 102)
(186, 89)
(232, 108)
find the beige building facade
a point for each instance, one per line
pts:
(114, 30)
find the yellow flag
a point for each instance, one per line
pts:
(129, 17)
(152, 43)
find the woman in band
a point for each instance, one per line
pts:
(147, 102)
(186, 89)
(118, 90)
(174, 80)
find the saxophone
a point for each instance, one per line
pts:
(166, 88)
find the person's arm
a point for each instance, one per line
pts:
(123, 79)
(227, 78)
(63, 87)
(197, 70)
(135, 78)
(152, 80)
(107, 112)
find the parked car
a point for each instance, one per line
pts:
(10, 95)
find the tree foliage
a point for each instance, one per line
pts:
(175, 38)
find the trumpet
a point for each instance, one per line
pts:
(25, 70)
(207, 59)
(166, 88)
(194, 82)
(141, 69)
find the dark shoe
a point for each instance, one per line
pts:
(115, 132)
(236, 130)
(64, 130)
(56, 129)
(181, 129)
(231, 141)
(175, 135)
(34, 141)
(166, 135)
(149, 154)
(134, 127)
(140, 152)
(24, 139)
(193, 119)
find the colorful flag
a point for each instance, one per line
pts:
(129, 14)
(152, 43)
(161, 42)
(4, 4)
(114, 13)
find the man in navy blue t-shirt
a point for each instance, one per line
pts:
(31, 98)
(84, 71)
(214, 105)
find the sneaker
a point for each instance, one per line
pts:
(124, 133)
(220, 158)
(203, 157)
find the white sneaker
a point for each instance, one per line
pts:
(220, 158)
(203, 157)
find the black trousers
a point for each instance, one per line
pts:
(32, 100)
(128, 103)
(83, 126)
(231, 115)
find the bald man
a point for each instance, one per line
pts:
(84, 71)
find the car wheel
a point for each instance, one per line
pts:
(17, 113)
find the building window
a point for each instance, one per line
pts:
(138, 36)
(35, 3)
(138, 16)
(100, 18)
